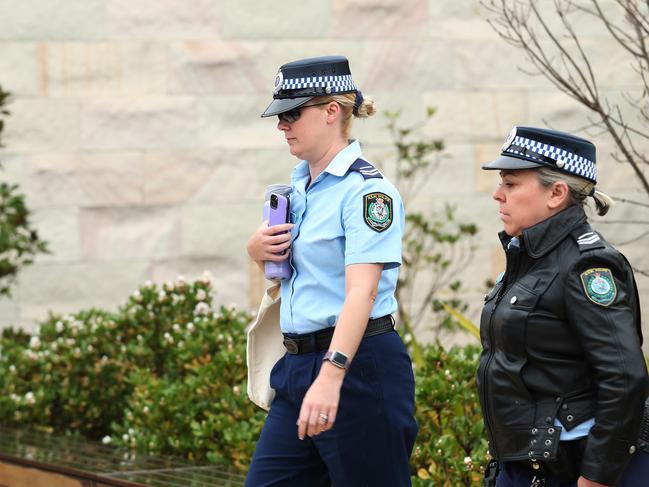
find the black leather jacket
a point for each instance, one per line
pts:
(558, 345)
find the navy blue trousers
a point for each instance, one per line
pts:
(370, 443)
(514, 474)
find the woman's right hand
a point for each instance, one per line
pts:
(269, 243)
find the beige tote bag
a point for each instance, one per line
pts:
(265, 347)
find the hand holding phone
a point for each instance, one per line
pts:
(278, 213)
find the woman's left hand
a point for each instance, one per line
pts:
(320, 404)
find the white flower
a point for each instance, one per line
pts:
(29, 398)
(140, 338)
(181, 344)
(77, 352)
(106, 440)
(125, 437)
(145, 409)
(15, 397)
(467, 460)
(207, 278)
(90, 348)
(236, 390)
(12, 369)
(162, 296)
(34, 342)
(137, 297)
(168, 338)
(148, 284)
(201, 309)
(59, 326)
(104, 358)
(201, 295)
(190, 327)
(131, 431)
(176, 327)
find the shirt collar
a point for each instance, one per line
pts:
(338, 166)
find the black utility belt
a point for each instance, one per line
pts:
(320, 340)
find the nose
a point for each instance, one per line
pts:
(498, 194)
(282, 125)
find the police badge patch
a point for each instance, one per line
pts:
(377, 211)
(599, 285)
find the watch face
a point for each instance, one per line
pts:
(337, 358)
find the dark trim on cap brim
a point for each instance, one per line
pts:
(511, 163)
(284, 105)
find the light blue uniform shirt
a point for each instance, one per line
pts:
(331, 231)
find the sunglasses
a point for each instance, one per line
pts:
(293, 115)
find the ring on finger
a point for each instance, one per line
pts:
(324, 419)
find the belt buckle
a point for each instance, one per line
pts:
(291, 346)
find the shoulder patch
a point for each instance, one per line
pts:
(589, 240)
(377, 211)
(599, 285)
(367, 170)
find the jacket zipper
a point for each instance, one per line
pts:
(508, 279)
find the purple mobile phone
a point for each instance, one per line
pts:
(278, 213)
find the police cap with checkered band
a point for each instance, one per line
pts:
(299, 81)
(530, 147)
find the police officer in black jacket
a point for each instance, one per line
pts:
(562, 378)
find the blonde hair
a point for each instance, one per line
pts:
(347, 102)
(579, 188)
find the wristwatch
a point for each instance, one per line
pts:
(337, 358)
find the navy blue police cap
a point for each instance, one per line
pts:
(530, 147)
(299, 81)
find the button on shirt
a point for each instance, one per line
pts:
(330, 233)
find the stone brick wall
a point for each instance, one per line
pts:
(135, 128)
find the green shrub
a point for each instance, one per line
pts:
(166, 374)
(451, 448)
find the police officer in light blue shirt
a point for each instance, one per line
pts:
(343, 409)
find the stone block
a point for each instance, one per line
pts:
(124, 234)
(476, 115)
(47, 20)
(249, 19)
(463, 19)
(65, 287)
(162, 19)
(19, 68)
(9, 310)
(371, 19)
(173, 178)
(82, 179)
(234, 121)
(104, 68)
(410, 65)
(242, 176)
(204, 231)
(492, 64)
(220, 233)
(59, 227)
(139, 123)
(219, 67)
(485, 181)
(38, 124)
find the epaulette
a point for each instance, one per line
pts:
(367, 170)
(588, 240)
